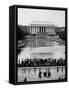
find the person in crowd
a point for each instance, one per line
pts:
(40, 74)
(25, 80)
(49, 74)
(44, 74)
(57, 69)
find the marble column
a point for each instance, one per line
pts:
(30, 29)
(38, 29)
(41, 29)
(34, 29)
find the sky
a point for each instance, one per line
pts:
(26, 16)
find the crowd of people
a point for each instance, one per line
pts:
(47, 74)
(41, 75)
(41, 62)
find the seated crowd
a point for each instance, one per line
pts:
(40, 62)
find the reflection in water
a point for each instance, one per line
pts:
(42, 52)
